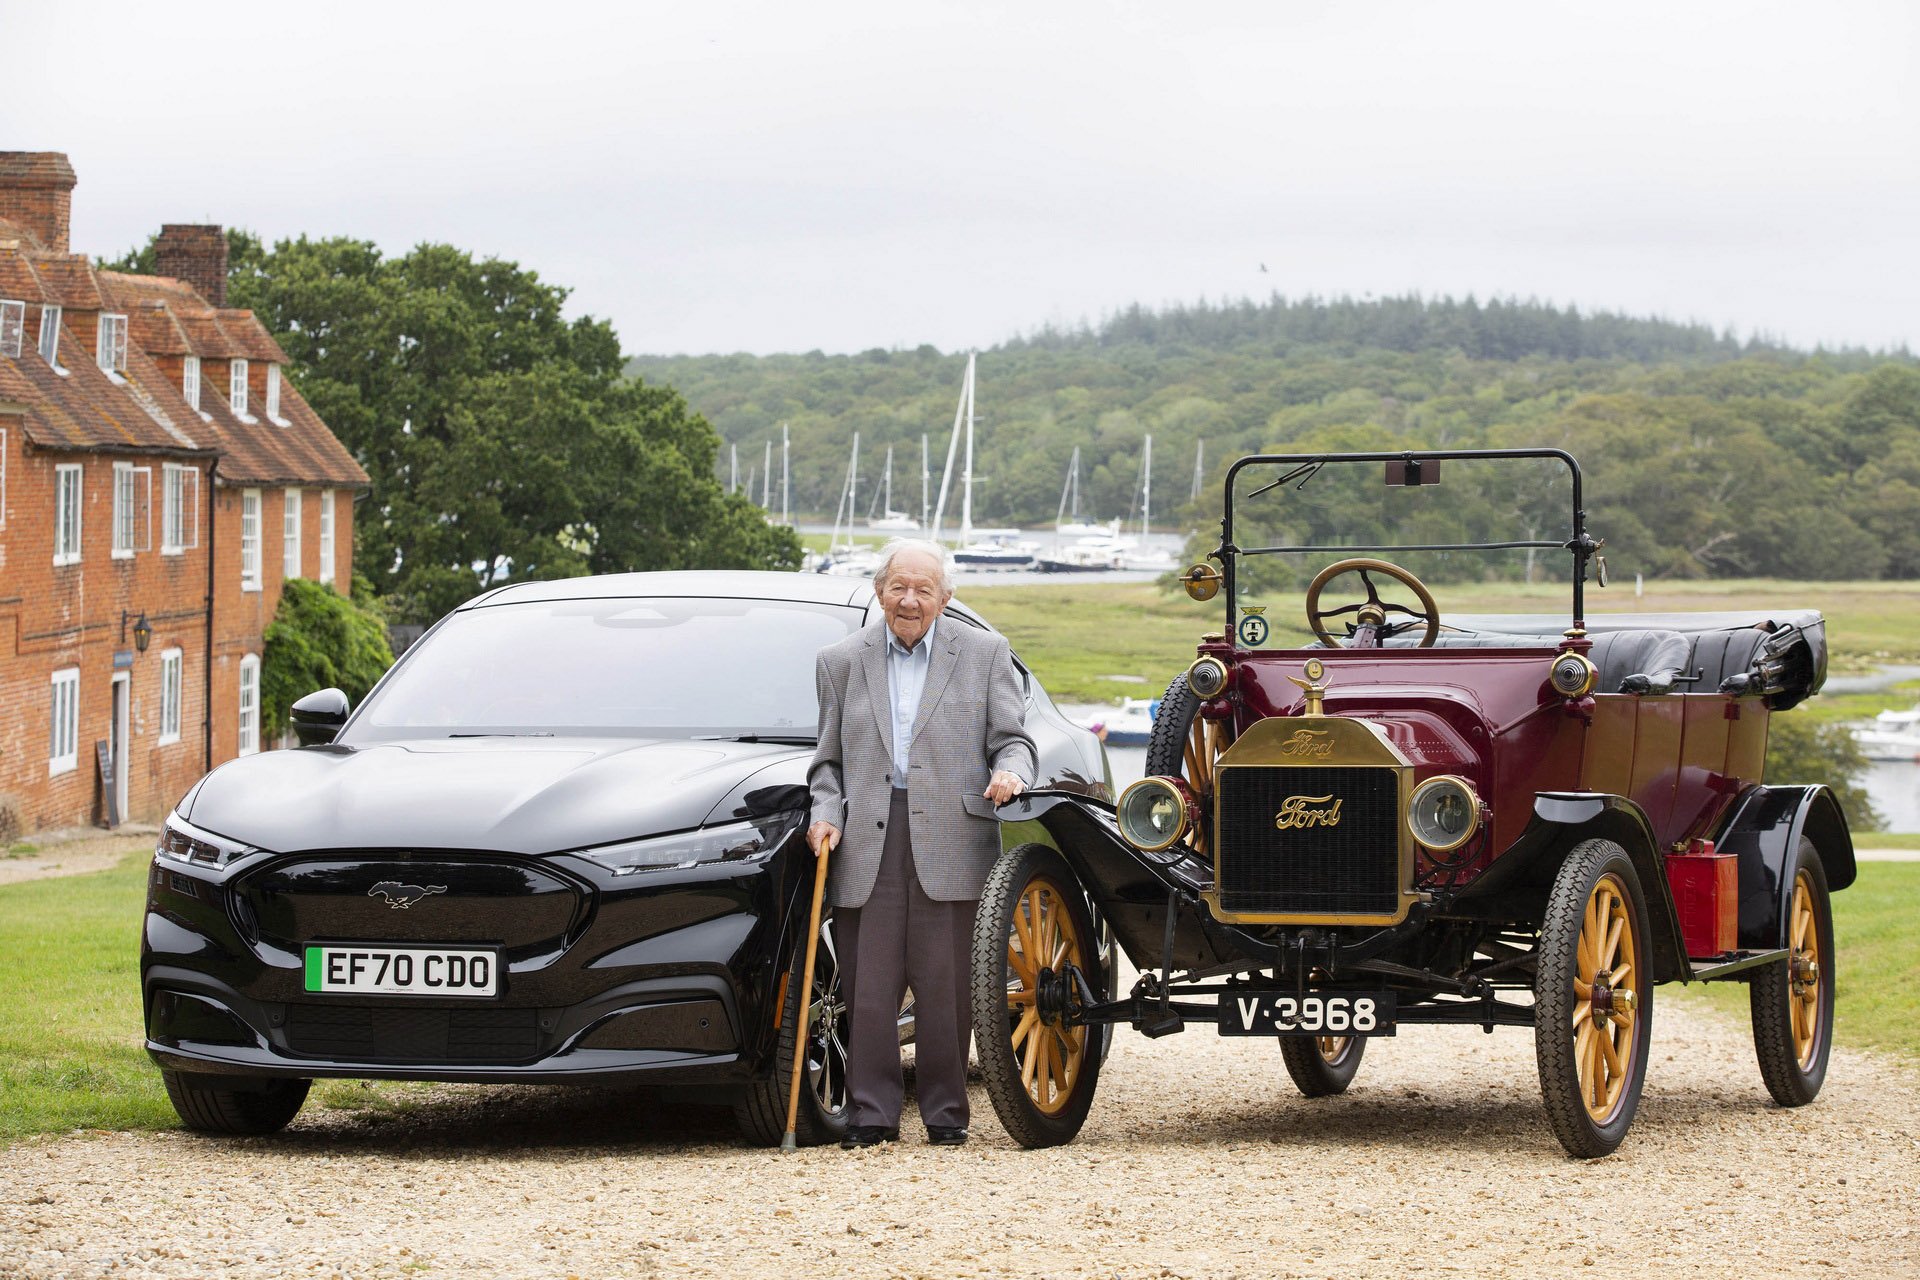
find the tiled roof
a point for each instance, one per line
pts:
(145, 411)
(83, 408)
(14, 231)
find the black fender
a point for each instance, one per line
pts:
(1521, 877)
(1130, 890)
(1763, 827)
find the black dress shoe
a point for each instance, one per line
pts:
(867, 1135)
(942, 1135)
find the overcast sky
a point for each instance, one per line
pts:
(781, 177)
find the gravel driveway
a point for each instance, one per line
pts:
(1199, 1160)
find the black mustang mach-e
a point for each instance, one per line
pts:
(560, 842)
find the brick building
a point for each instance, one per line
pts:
(160, 479)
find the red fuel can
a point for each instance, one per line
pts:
(1706, 890)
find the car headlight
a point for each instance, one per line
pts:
(1444, 813)
(1154, 813)
(1208, 677)
(755, 838)
(180, 842)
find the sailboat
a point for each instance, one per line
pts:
(890, 520)
(1142, 556)
(995, 549)
(1067, 521)
(849, 560)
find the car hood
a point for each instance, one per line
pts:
(514, 795)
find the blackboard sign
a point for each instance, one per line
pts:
(109, 794)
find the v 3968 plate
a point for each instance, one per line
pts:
(1316, 1013)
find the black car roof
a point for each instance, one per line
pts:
(810, 588)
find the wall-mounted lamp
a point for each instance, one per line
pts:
(142, 630)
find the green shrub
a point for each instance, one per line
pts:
(1802, 750)
(320, 639)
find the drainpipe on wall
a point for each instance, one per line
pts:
(206, 702)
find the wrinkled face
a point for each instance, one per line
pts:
(911, 597)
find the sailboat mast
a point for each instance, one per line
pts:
(953, 444)
(853, 488)
(1199, 467)
(1067, 488)
(966, 476)
(923, 480)
(786, 476)
(733, 468)
(886, 506)
(766, 478)
(1146, 488)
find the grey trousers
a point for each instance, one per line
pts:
(902, 938)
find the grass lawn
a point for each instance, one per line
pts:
(1877, 974)
(71, 1045)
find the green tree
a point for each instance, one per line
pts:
(320, 639)
(1802, 751)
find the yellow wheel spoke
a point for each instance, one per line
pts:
(1021, 1029)
(1607, 1050)
(1620, 973)
(1582, 1012)
(1019, 998)
(1612, 946)
(1582, 989)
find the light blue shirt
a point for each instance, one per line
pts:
(906, 681)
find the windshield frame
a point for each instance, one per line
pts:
(1579, 543)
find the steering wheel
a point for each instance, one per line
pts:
(1373, 626)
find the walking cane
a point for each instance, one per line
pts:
(788, 1143)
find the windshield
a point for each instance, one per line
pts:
(1493, 528)
(655, 667)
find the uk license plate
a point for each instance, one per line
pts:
(335, 969)
(1316, 1013)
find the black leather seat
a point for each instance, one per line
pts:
(1639, 661)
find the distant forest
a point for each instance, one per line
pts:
(1705, 455)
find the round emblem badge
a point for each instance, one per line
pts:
(1253, 632)
(1315, 669)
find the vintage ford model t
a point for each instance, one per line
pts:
(1505, 820)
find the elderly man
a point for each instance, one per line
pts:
(920, 737)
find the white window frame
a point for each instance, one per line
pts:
(13, 326)
(247, 721)
(132, 510)
(110, 350)
(50, 336)
(237, 386)
(290, 514)
(326, 535)
(63, 722)
(173, 666)
(249, 539)
(69, 490)
(273, 396)
(179, 508)
(190, 381)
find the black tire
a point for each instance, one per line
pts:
(1167, 744)
(249, 1112)
(760, 1110)
(997, 990)
(1794, 1066)
(1316, 1073)
(1564, 1031)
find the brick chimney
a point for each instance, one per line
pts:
(196, 254)
(36, 194)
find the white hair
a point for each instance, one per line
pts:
(932, 550)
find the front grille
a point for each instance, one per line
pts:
(1351, 868)
(394, 1033)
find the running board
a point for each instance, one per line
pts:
(1719, 970)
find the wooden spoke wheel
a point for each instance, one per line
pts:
(760, 1111)
(1322, 1066)
(1032, 934)
(1185, 744)
(1593, 999)
(1793, 1000)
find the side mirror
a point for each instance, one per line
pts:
(318, 716)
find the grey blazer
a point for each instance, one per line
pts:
(971, 722)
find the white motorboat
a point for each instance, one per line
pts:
(1129, 725)
(1891, 736)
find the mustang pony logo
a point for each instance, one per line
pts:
(1311, 744)
(1307, 811)
(401, 896)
